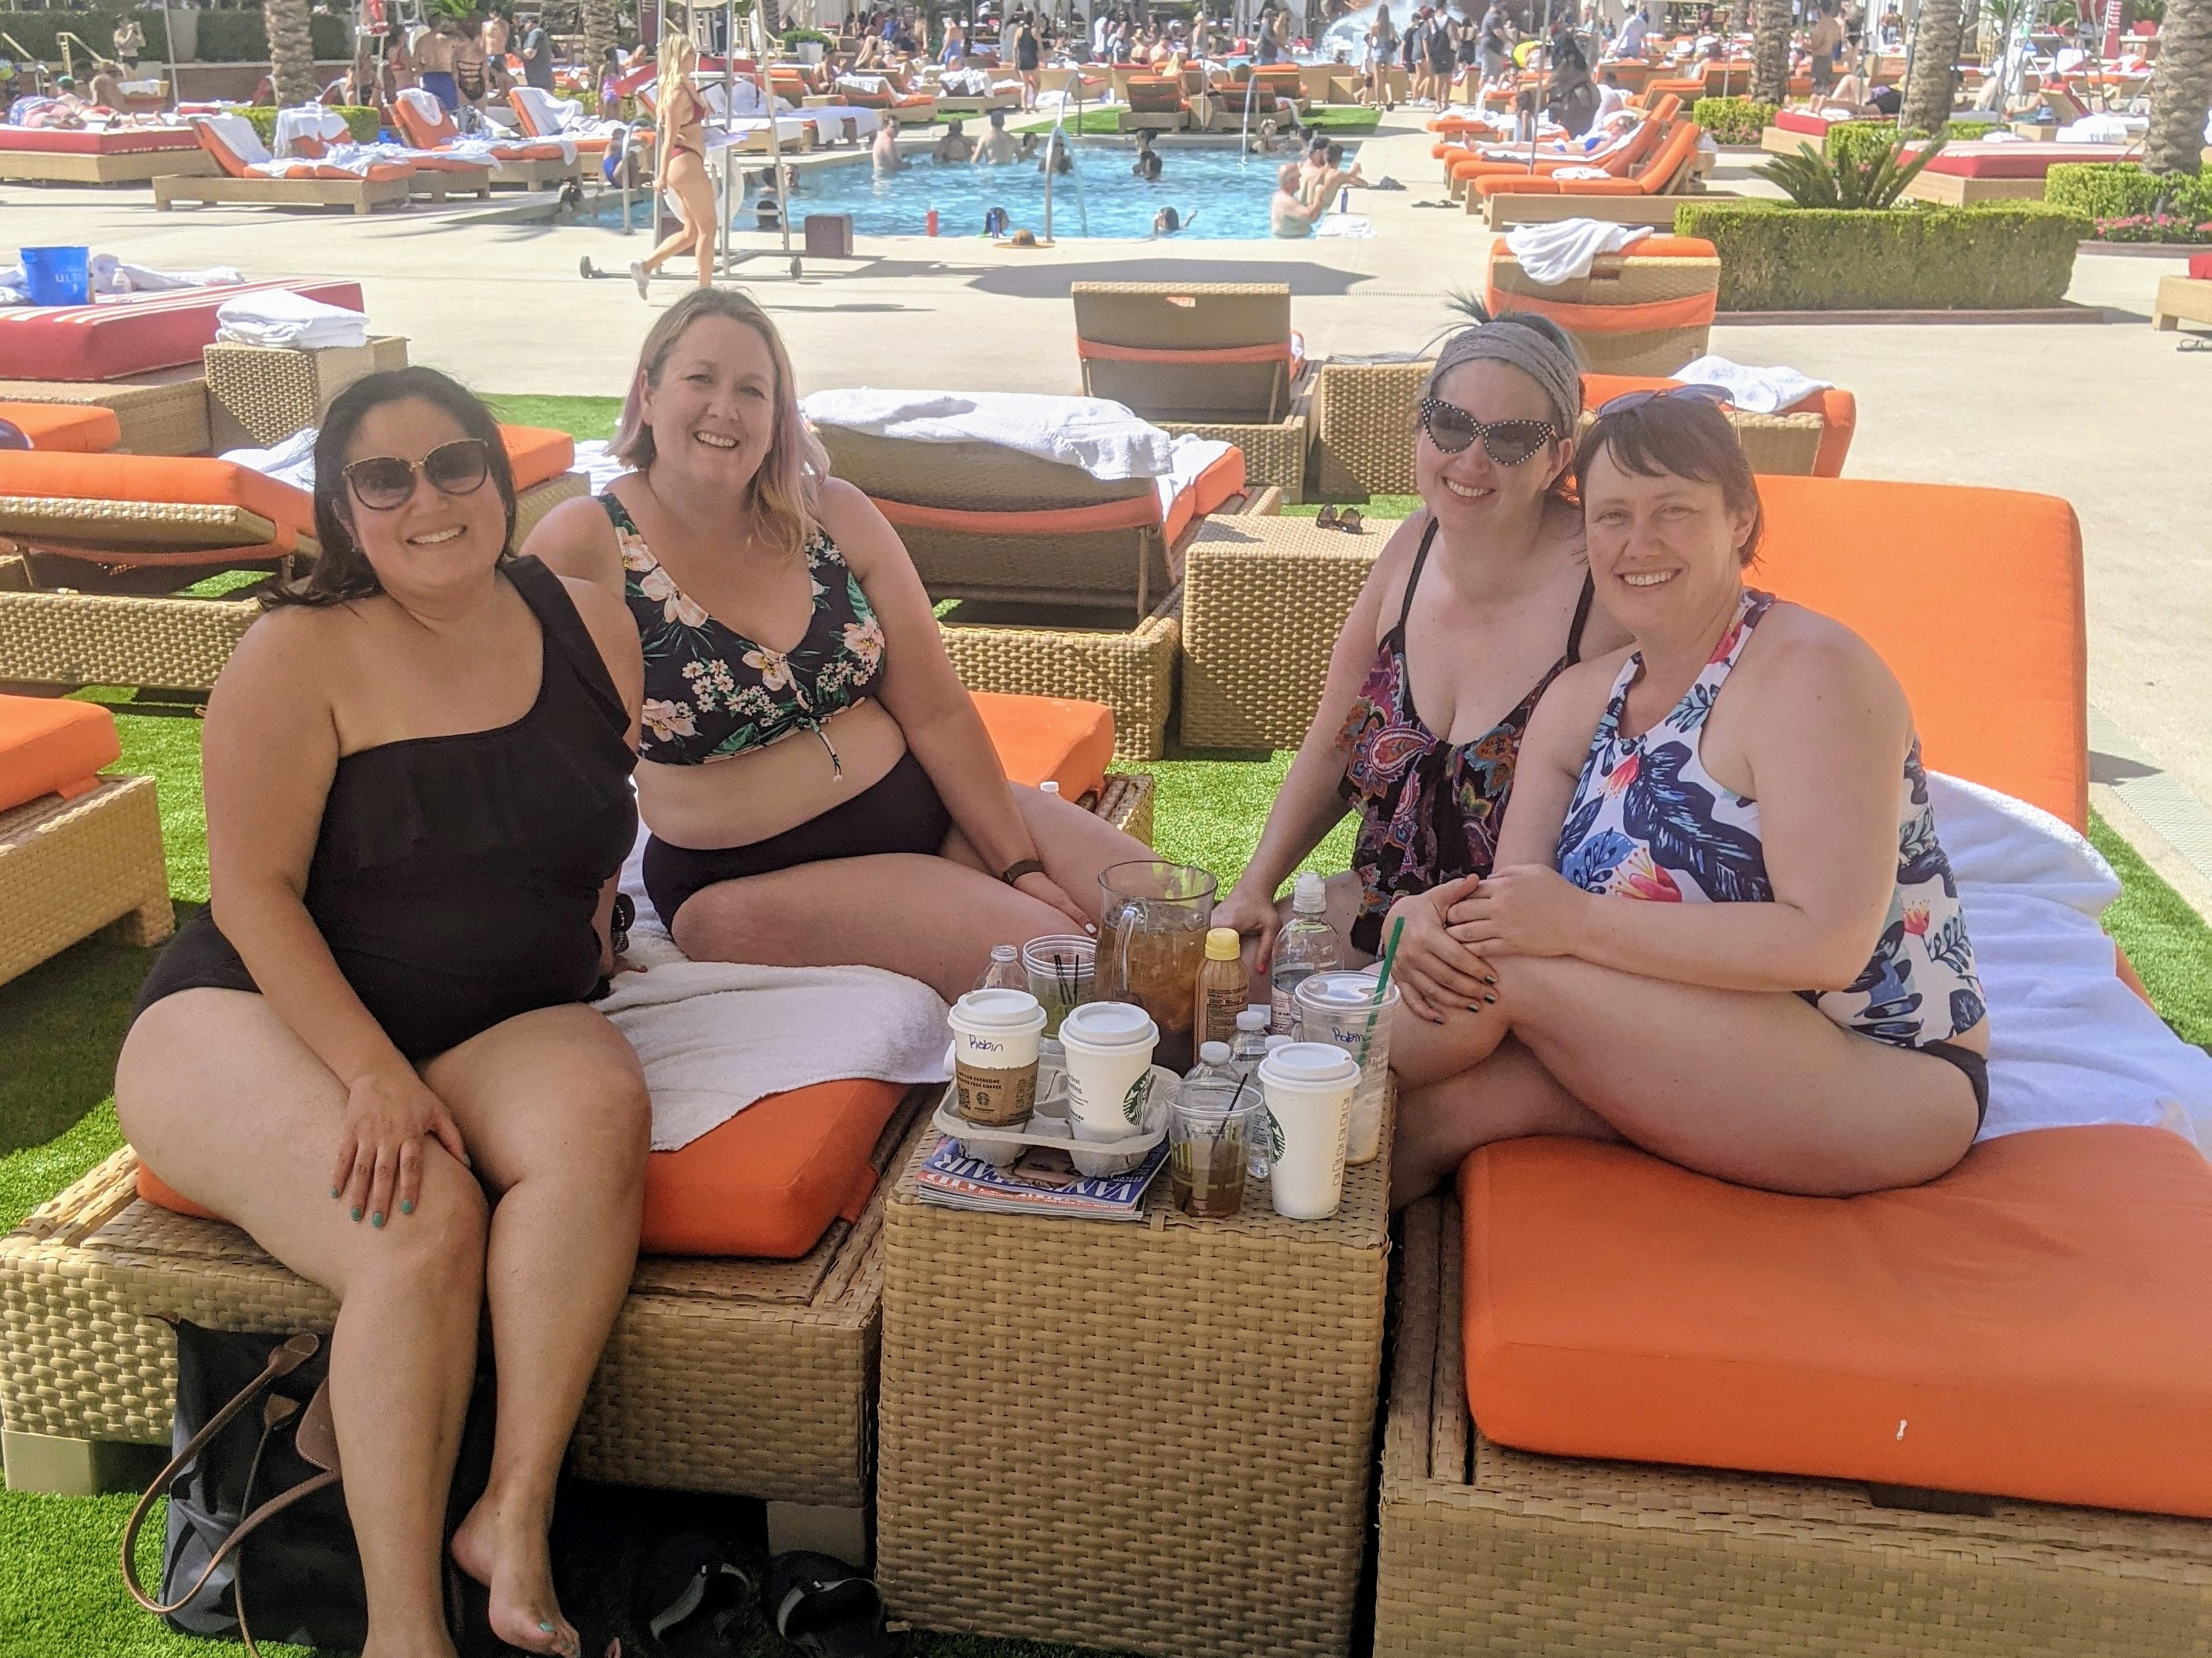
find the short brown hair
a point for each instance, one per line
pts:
(1676, 437)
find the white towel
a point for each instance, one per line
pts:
(597, 463)
(292, 461)
(1754, 391)
(111, 275)
(282, 317)
(1104, 439)
(1192, 455)
(561, 117)
(1566, 249)
(308, 121)
(2069, 1043)
(238, 136)
(1350, 226)
(2105, 129)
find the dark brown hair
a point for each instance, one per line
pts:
(1676, 437)
(343, 571)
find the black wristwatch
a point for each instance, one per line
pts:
(1014, 873)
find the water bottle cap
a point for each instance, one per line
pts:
(1214, 1053)
(1256, 1018)
(1310, 895)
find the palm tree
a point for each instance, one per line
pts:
(1770, 52)
(599, 26)
(291, 52)
(2180, 88)
(1928, 83)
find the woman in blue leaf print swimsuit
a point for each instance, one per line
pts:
(1793, 1004)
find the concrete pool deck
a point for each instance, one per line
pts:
(2115, 418)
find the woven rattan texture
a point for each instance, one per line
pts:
(1274, 454)
(750, 1378)
(1654, 351)
(1530, 1555)
(1612, 281)
(1152, 1436)
(68, 868)
(261, 395)
(1263, 600)
(1364, 429)
(164, 414)
(533, 503)
(1132, 673)
(65, 521)
(1100, 567)
(85, 638)
(1126, 804)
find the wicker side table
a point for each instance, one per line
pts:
(260, 395)
(1152, 1436)
(163, 413)
(1263, 601)
(1274, 454)
(1364, 429)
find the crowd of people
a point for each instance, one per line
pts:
(1654, 849)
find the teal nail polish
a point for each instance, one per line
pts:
(547, 1628)
(407, 1207)
(334, 1192)
(1489, 998)
(377, 1219)
(357, 1213)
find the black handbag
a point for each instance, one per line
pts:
(257, 1529)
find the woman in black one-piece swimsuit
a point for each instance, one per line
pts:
(374, 1053)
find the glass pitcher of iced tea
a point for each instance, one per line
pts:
(1152, 939)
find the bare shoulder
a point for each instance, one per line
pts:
(1386, 582)
(1802, 656)
(291, 657)
(577, 538)
(860, 531)
(1574, 701)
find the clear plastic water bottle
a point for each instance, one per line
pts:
(1251, 1048)
(1307, 946)
(1005, 972)
(1213, 1066)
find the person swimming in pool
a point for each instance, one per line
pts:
(1289, 214)
(1168, 222)
(885, 149)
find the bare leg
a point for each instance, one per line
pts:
(237, 1113)
(1509, 1095)
(553, 1106)
(688, 177)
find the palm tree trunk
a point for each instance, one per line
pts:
(1928, 87)
(598, 35)
(2180, 88)
(1770, 52)
(291, 52)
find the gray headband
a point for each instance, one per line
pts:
(1535, 346)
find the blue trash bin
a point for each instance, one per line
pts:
(58, 275)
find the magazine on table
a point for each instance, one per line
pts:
(1043, 1181)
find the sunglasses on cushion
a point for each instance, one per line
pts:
(1627, 401)
(381, 482)
(1508, 442)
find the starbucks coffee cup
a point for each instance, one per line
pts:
(1109, 1059)
(1308, 1087)
(994, 1056)
(1343, 1009)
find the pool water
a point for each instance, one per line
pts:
(1218, 199)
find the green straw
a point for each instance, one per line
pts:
(1382, 988)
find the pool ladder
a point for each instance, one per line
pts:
(1056, 140)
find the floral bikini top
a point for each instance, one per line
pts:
(710, 692)
(1430, 809)
(1648, 821)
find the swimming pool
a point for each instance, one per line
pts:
(1217, 199)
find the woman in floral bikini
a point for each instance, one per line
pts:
(830, 799)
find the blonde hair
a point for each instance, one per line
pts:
(785, 496)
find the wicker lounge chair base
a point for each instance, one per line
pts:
(2180, 299)
(102, 639)
(1485, 1549)
(134, 167)
(1503, 212)
(362, 195)
(260, 395)
(441, 183)
(1952, 190)
(533, 503)
(1363, 416)
(999, 647)
(1275, 455)
(164, 413)
(1180, 1416)
(549, 173)
(68, 868)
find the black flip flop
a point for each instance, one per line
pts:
(688, 1594)
(823, 1607)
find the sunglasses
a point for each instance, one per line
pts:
(380, 482)
(1715, 395)
(1508, 442)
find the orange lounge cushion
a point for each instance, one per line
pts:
(2033, 1325)
(536, 454)
(165, 480)
(84, 429)
(2003, 701)
(51, 745)
(766, 1184)
(1050, 738)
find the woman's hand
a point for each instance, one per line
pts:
(1046, 890)
(388, 1113)
(1433, 970)
(1524, 910)
(1255, 916)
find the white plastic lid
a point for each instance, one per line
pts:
(1275, 1043)
(1308, 1065)
(1339, 989)
(1050, 786)
(1310, 895)
(994, 1008)
(1214, 1053)
(1108, 1025)
(1256, 1018)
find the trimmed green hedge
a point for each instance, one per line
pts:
(2122, 190)
(362, 125)
(224, 37)
(2002, 257)
(1733, 121)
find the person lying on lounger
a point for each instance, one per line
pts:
(1720, 923)
(374, 1051)
(819, 787)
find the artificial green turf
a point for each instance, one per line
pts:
(1376, 506)
(2167, 942)
(580, 418)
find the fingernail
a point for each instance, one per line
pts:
(1492, 979)
(377, 1219)
(546, 1629)
(1489, 998)
(467, 1161)
(357, 1213)
(1472, 1008)
(407, 1206)
(334, 1190)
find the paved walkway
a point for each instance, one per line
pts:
(2113, 417)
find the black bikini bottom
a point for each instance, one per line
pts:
(901, 812)
(1977, 1068)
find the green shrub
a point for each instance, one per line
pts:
(238, 37)
(1964, 132)
(1733, 121)
(1857, 140)
(2005, 256)
(793, 38)
(361, 124)
(2122, 190)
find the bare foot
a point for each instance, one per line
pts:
(506, 1549)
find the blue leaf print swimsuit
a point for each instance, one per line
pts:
(1648, 821)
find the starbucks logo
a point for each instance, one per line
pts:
(1132, 1103)
(1274, 1134)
